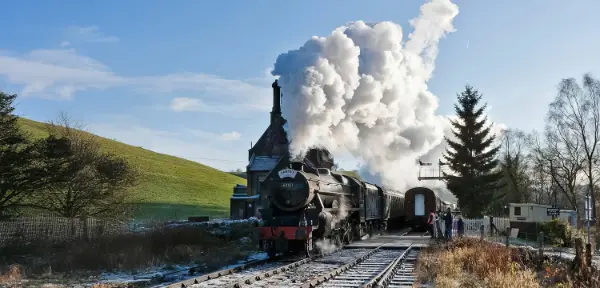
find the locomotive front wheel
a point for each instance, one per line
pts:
(309, 249)
(269, 247)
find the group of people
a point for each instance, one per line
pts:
(448, 221)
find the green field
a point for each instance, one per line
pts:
(169, 187)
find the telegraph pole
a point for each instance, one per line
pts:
(552, 186)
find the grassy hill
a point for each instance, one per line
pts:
(170, 187)
(350, 173)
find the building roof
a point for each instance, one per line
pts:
(263, 163)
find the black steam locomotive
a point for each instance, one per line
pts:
(307, 204)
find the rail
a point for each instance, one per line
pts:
(337, 271)
(255, 278)
(384, 275)
(217, 274)
(378, 268)
(283, 268)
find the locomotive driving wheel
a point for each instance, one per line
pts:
(337, 238)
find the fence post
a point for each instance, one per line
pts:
(482, 230)
(507, 236)
(84, 222)
(588, 254)
(541, 244)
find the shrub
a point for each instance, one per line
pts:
(182, 244)
(468, 263)
(557, 232)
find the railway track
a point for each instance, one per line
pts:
(377, 268)
(273, 272)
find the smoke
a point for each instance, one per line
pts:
(326, 245)
(342, 212)
(362, 90)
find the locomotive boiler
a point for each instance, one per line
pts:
(306, 204)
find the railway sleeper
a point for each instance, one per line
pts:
(248, 281)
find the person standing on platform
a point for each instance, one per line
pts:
(460, 226)
(448, 222)
(431, 223)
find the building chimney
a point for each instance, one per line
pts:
(276, 112)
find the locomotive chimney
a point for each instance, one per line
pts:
(276, 112)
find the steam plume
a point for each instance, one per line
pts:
(362, 90)
(342, 211)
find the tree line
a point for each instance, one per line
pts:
(65, 173)
(557, 165)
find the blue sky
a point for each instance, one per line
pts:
(190, 78)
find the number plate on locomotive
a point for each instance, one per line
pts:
(287, 185)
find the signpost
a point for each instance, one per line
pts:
(554, 212)
(588, 214)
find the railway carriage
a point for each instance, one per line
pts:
(418, 202)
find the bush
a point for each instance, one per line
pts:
(180, 244)
(557, 232)
(470, 262)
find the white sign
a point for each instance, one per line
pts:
(287, 173)
(588, 208)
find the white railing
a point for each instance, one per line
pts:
(501, 223)
(472, 227)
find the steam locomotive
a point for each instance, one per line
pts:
(307, 204)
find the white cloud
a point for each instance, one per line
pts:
(181, 104)
(186, 104)
(89, 34)
(231, 136)
(61, 73)
(44, 72)
(203, 147)
(65, 44)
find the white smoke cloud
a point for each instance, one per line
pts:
(342, 211)
(363, 90)
(326, 246)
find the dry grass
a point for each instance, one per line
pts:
(12, 276)
(186, 244)
(469, 262)
(473, 263)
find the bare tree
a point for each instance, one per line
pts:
(560, 156)
(578, 109)
(87, 182)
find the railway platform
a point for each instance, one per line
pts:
(393, 241)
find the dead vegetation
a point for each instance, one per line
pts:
(469, 262)
(183, 244)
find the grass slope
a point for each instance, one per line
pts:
(170, 187)
(350, 173)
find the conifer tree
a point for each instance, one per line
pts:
(472, 157)
(17, 178)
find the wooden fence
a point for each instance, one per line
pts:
(56, 228)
